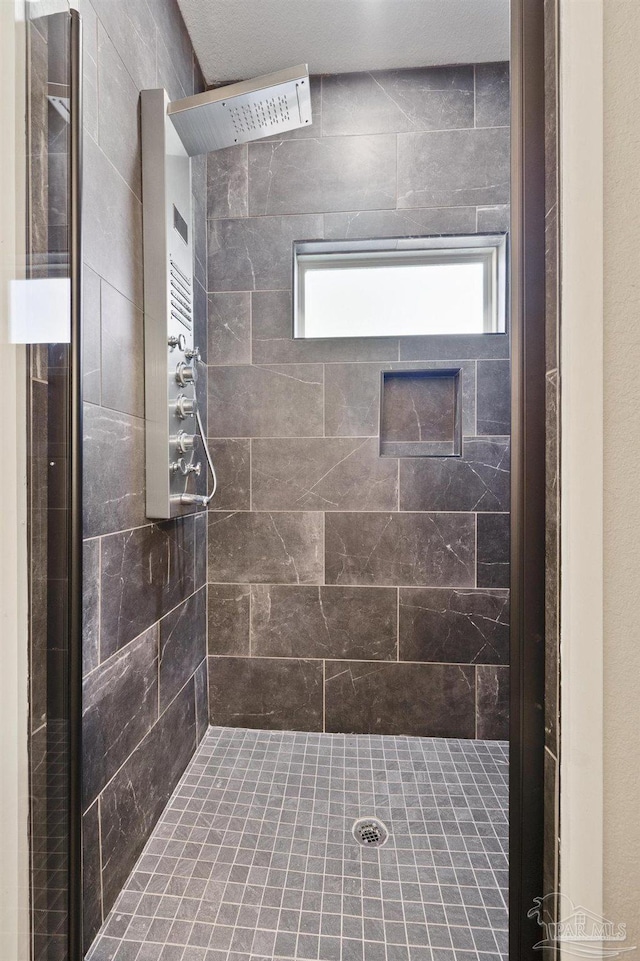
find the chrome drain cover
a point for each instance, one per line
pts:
(370, 832)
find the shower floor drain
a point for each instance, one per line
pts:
(370, 832)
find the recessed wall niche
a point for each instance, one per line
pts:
(420, 413)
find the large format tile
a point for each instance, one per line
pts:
(477, 481)
(493, 105)
(283, 401)
(183, 645)
(90, 336)
(228, 182)
(493, 550)
(228, 617)
(454, 626)
(493, 702)
(351, 622)
(425, 700)
(494, 219)
(318, 175)
(132, 802)
(120, 705)
(90, 605)
(375, 224)
(256, 253)
(114, 478)
(122, 353)
(436, 550)
(280, 547)
(229, 328)
(269, 693)
(91, 883)
(397, 101)
(118, 97)
(113, 231)
(322, 474)
(201, 688)
(453, 168)
(494, 397)
(449, 346)
(273, 341)
(133, 31)
(145, 573)
(231, 459)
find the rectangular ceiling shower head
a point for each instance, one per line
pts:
(243, 111)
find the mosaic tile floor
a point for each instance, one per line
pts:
(254, 855)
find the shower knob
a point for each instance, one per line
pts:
(179, 341)
(184, 468)
(185, 442)
(186, 374)
(193, 354)
(186, 407)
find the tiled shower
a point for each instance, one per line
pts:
(340, 615)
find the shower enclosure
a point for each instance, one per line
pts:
(295, 704)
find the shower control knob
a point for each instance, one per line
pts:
(185, 442)
(186, 407)
(185, 469)
(186, 374)
(179, 341)
(193, 354)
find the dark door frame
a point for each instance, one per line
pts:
(526, 797)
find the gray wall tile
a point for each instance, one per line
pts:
(469, 347)
(91, 605)
(122, 353)
(232, 459)
(492, 219)
(494, 397)
(304, 176)
(352, 400)
(255, 253)
(454, 626)
(229, 328)
(118, 114)
(493, 702)
(397, 101)
(322, 474)
(405, 549)
(266, 401)
(493, 550)
(91, 881)
(228, 615)
(228, 182)
(424, 700)
(114, 484)
(371, 224)
(453, 168)
(133, 32)
(269, 693)
(91, 337)
(120, 705)
(493, 103)
(477, 481)
(183, 645)
(201, 683)
(280, 547)
(333, 622)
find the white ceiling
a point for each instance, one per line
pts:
(239, 39)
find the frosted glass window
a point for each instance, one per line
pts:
(400, 292)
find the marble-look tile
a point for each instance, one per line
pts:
(493, 703)
(374, 224)
(91, 886)
(477, 481)
(90, 605)
(494, 397)
(326, 474)
(493, 550)
(448, 626)
(284, 401)
(199, 218)
(174, 75)
(459, 346)
(228, 182)
(89, 67)
(232, 459)
(228, 616)
(201, 320)
(273, 342)
(118, 97)
(90, 337)
(493, 102)
(132, 29)
(551, 821)
(122, 353)
(113, 231)
(494, 219)
(200, 548)
(352, 400)
(420, 700)
(318, 175)
(324, 622)
(255, 253)
(201, 683)
(453, 168)
(120, 705)
(418, 407)
(274, 694)
(183, 645)
(114, 481)
(278, 548)
(145, 573)
(397, 101)
(175, 37)
(134, 799)
(435, 550)
(229, 328)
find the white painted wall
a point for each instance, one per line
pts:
(622, 465)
